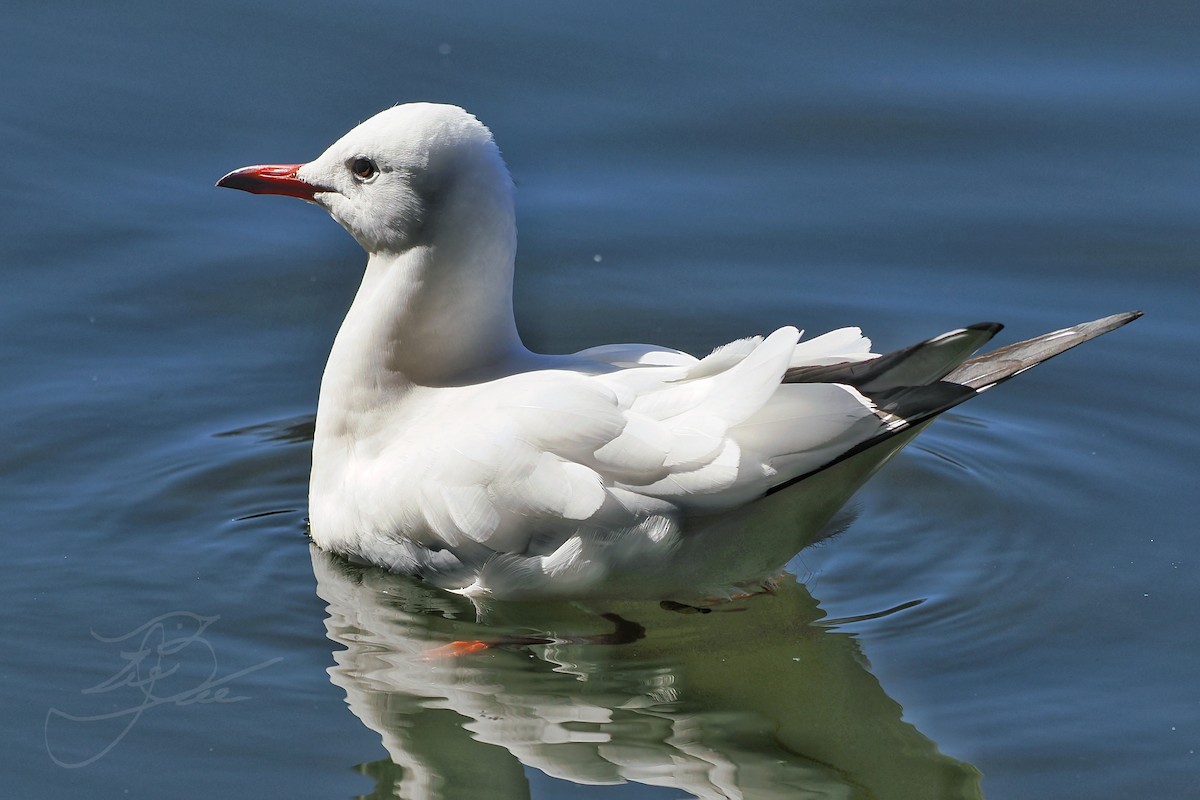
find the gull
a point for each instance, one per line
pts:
(447, 450)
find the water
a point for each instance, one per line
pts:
(686, 175)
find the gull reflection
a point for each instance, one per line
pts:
(751, 699)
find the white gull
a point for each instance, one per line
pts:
(445, 449)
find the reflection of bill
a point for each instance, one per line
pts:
(755, 704)
(165, 661)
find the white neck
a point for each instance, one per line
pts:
(436, 314)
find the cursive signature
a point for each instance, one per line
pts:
(170, 663)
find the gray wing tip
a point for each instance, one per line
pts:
(1124, 318)
(983, 372)
(1106, 324)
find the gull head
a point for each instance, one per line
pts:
(400, 178)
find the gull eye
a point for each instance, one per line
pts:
(364, 168)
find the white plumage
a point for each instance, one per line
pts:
(444, 448)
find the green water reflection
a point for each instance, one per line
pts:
(756, 699)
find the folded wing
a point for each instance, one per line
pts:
(523, 464)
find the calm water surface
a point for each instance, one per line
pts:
(686, 174)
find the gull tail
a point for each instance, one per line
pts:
(909, 388)
(912, 386)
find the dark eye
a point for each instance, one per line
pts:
(364, 168)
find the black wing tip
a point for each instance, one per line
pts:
(987, 327)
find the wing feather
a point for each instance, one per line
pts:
(553, 450)
(641, 447)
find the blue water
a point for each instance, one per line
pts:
(687, 174)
